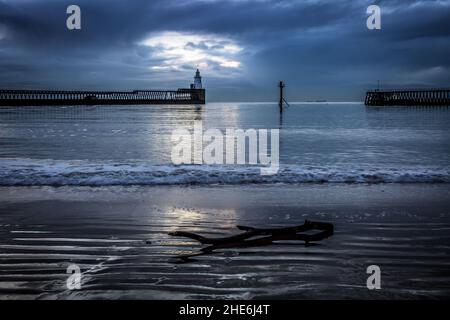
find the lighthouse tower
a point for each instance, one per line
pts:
(197, 81)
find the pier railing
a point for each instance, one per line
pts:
(408, 97)
(40, 97)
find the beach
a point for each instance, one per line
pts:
(118, 236)
(94, 188)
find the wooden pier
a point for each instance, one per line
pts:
(408, 97)
(51, 98)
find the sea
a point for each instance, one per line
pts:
(131, 145)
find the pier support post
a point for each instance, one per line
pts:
(280, 103)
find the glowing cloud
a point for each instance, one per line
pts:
(175, 51)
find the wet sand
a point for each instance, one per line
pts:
(118, 237)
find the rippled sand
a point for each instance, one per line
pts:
(118, 237)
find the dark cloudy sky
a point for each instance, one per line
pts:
(321, 49)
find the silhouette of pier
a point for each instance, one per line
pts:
(408, 97)
(40, 97)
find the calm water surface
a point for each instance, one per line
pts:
(122, 145)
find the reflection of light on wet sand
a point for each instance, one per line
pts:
(214, 223)
(123, 249)
(200, 221)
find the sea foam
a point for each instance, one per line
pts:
(37, 172)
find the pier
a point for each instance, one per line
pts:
(41, 97)
(194, 95)
(408, 97)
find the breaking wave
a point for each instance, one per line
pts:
(32, 172)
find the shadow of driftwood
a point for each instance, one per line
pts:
(256, 237)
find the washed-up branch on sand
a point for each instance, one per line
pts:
(254, 237)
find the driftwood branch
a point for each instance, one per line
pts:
(252, 237)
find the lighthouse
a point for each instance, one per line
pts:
(197, 81)
(197, 92)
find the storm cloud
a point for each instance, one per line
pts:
(321, 49)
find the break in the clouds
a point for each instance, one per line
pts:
(178, 50)
(322, 49)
